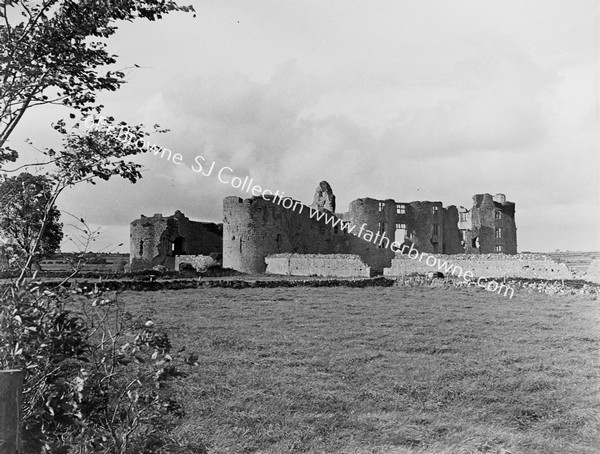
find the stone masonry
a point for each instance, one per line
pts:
(198, 262)
(324, 265)
(493, 266)
(257, 227)
(157, 240)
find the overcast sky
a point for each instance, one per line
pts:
(410, 100)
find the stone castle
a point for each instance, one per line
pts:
(157, 240)
(257, 227)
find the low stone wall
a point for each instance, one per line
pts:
(530, 266)
(325, 265)
(593, 272)
(199, 262)
(520, 285)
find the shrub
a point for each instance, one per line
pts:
(218, 271)
(97, 378)
(187, 267)
(216, 256)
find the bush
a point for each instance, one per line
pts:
(218, 271)
(216, 256)
(187, 267)
(97, 378)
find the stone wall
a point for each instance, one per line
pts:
(199, 262)
(366, 212)
(323, 265)
(578, 262)
(487, 265)
(424, 224)
(489, 214)
(157, 240)
(593, 271)
(146, 246)
(257, 227)
(452, 234)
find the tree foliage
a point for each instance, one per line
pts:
(23, 202)
(53, 52)
(95, 379)
(98, 379)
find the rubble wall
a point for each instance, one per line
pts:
(532, 266)
(257, 227)
(593, 272)
(199, 262)
(157, 240)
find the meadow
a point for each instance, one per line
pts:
(384, 370)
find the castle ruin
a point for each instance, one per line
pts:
(157, 240)
(259, 226)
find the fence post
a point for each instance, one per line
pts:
(11, 387)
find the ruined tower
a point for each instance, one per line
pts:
(157, 240)
(324, 198)
(489, 227)
(422, 224)
(256, 227)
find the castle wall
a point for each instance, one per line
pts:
(146, 248)
(157, 240)
(493, 266)
(423, 224)
(255, 228)
(365, 212)
(201, 238)
(485, 223)
(325, 265)
(452, 234)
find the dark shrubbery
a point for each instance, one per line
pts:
(216, 256)
(97, 378)
(186, 267)
(219, 271)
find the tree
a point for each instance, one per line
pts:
(77, 383)
(51, 52)
(23, 201)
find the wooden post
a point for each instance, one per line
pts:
(11, 387)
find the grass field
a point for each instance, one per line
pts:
(385, 370)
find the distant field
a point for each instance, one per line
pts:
(108, 263)
(385, 370)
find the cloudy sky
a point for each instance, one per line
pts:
(410, 100)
